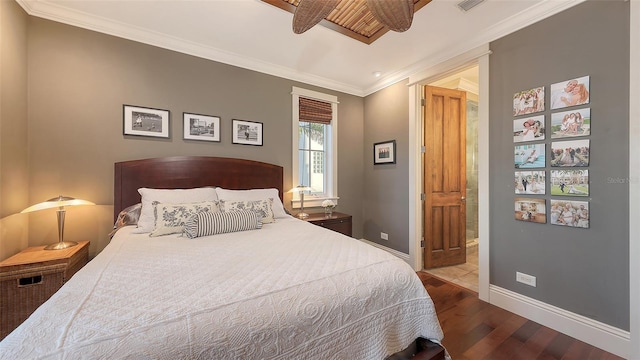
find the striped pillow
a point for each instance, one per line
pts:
(209, 223)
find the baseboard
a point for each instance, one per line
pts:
(603, 336)
(395, 252)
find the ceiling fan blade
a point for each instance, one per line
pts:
(310, 12)
(397, 15)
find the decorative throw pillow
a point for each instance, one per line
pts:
(146, 223)
(261, 207)
(209, 223)
(128, 216)
(255, 194)
(170, 218)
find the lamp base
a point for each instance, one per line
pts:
(302, 215)
(61, 245)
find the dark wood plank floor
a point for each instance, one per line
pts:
(475, 330)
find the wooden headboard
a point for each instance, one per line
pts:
(184, 172)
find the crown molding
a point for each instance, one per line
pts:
(55, 12)
(540, 11)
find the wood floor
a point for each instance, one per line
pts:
(475, 330)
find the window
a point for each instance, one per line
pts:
(315, 131)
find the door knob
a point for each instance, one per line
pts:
(463, 198)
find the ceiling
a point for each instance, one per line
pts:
(256, 35)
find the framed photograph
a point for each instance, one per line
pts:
(570, 92)
(571, 123)
(528, 129)
(531, 210)
(570, 153)
(570, 213)
(528, 101)
(384, 152)
(246, 132)
(530, 182)
(529, 156)
(570, 182)
(142, 121)
(201, 127)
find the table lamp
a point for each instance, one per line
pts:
(301, 189)
(60, 202)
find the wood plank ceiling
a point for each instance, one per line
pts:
(351, 18)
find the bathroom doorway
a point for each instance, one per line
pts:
(466, 274)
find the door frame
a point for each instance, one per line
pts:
(477, 56)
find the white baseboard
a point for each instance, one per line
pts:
(397, 253)
(603, 336)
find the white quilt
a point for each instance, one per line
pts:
(290, 290)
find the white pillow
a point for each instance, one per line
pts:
(255, 194)
(170, 218)
(207, 223)
(146, 222)
(261, 207)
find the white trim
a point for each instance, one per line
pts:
(399, 254)
(52, 11)
(332, 185)
(634, 177)
(601, 335)
(480, 56)
(538, 12)
(484, 200)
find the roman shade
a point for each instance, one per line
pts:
(314, 111)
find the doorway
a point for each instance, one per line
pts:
(466, 273)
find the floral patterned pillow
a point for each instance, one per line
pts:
(170, 218)
(261, 207)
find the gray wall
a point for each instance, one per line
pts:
(585, 271)
(386, 195)
(78, 81)
(14, 190)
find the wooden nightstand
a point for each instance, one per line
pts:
(337, 222)
(30, 277)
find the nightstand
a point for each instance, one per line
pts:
(337, 222)
(30, 277)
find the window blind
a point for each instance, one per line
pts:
(314, 111)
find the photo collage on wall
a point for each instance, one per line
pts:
(567, 135)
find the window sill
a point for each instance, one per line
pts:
(310, 202)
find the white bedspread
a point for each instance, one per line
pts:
(290, 290)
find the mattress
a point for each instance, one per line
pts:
(288, 290)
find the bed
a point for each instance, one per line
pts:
(280, 288)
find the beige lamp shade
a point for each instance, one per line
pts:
(59, 202)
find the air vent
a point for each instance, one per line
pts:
(467, 5)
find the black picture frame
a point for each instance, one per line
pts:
(200, 127)
(145, 121)
(245, 132)
(384, 152)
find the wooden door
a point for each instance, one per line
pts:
(444, 177)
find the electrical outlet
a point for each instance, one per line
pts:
(526, 279)
(384, 236)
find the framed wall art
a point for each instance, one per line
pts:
(531, 210)
(529, 156)
(528, 101)
(570, 213)
(570, 182)
(570, 153)
(384, 152)
(571, 123)
(201, 127)
(528, 129)
(246, 132)
(143, 121)
(570, 93)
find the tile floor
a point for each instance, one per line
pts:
(465, 275)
